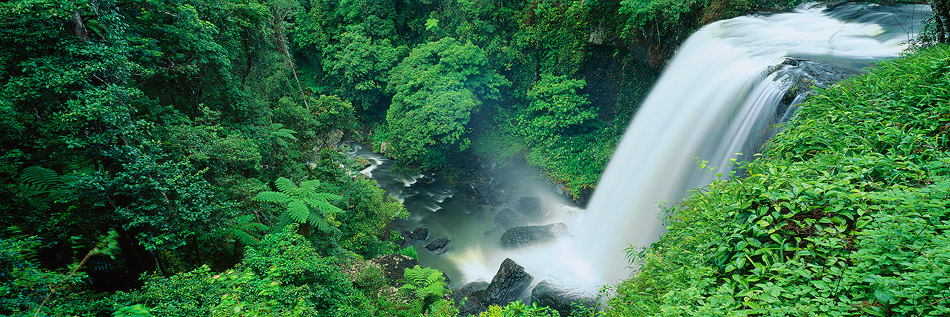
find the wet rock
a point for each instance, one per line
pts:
(439, 245)
(518, 237)
(393, 266)
(362, 163)
(466, 291)
(562, 300)
(508, 218)
(420, 234)
(583, 196)
(475, 303)
(328, 139)
(508, 284)
(530, 207)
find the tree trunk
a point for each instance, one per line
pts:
(941, 10)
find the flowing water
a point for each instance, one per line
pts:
(720, 95)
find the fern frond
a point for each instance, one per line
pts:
(309, 186)
(38, 180)
(245, 238)
(298, 211)
(286, 133)
(323, 206)
(286, 186)
(271, 197)
(316, 221)
(255, 226)
(243, 220)
(327, 196)
(276, 126)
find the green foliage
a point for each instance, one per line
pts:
(437, 88)
(661, 25)
(137, 310)
(425, 284)
(519, 309)
(283, 275)
(554, 109)
(303, 203)
(844, 215)
(361, 65)
(408, 251)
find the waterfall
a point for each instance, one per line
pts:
(719, 91)
(722, 92)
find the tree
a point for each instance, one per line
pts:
(358, 66)
(941, 10)
(436, 90)
(555, 108)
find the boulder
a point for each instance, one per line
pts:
(508, 284)
(466, 291)
(475, 303)
(439, 245)
(548, 295)
(420, 234)
(362, 163)
(508, 218)
(328, 139)
(518, 237)
(394, 266)
(530, 207)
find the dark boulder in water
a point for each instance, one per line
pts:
(439, 245)
(420, 234)
(518, 237)
(562, 300)
(466, 291)
(530, 207)
(507, 218)
(508, 285)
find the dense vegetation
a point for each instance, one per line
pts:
(178, 157)
(845, 214)
(191, 142)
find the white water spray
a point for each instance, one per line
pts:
(706, 103)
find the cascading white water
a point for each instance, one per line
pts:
(705, 105)
(717, 96)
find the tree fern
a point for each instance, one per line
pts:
(279, 131)
(241, 229)
(303, 204)
(36, 181)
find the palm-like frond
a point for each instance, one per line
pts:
(303, 204)
(36, 180)
(272, 197)
(286, 186)
(424, 282)
(318, 222)
(298, 211)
